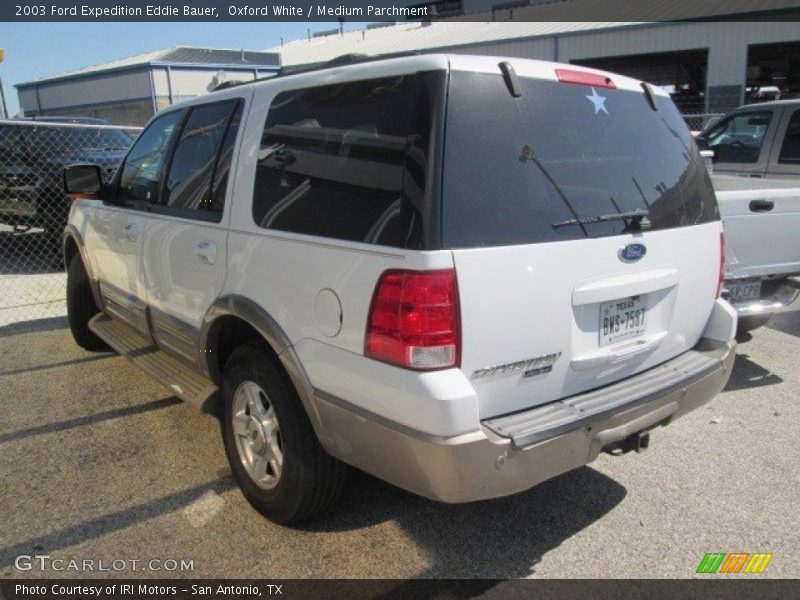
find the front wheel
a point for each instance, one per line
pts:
(81, 306)
(272, 449)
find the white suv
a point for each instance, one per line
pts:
(464, 275)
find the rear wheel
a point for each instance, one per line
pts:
(272, 449)
(81, 306)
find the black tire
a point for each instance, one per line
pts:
(311, 480)
(750, 323)
(81, 306)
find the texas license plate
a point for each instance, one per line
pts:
(622, 319)
(743, 291)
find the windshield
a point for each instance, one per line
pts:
(60, 140)
(514, 167)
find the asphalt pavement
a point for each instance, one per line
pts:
(99, 463)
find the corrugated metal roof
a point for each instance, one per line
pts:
(640, 10)
(176, 55)
(205, 56)
(554, 18)
(409, 36)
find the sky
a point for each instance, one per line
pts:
(34, 50)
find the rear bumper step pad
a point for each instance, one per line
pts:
(544, 422)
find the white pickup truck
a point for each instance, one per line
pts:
(761, 218)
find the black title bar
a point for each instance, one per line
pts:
(709, 588)
(396, 10)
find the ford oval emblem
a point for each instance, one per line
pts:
(632, 252)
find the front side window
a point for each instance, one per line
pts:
(739, 138)
(140, 177)
(188, 186)
(347, 161)
(790, 150)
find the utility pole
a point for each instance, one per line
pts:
(2, 93)
(3, 100)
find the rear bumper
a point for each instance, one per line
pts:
(784, 295)
(513, 453)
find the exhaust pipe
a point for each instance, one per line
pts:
(638, 442)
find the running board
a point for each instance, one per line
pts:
(188, 385)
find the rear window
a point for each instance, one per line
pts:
(515, 167)
(348, 161)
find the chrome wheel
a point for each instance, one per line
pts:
(257, 434)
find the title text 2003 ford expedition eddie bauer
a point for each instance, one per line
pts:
(463, 275)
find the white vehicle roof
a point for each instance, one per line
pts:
(387, 67)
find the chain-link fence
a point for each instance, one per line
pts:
(34, 208)
(699, 121)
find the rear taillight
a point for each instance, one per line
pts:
(721, 277)
(414, 320)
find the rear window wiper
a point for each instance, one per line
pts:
(637, 218)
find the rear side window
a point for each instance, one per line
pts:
(790, 150)
(219, 184)
(517, 169)
(346, 161)
(738, 139)
(194, 166)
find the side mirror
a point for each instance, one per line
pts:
(82, 181)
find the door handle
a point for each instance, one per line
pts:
(206, 251)
(761, 205)
(131, 232)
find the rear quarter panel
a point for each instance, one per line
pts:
(299, 280)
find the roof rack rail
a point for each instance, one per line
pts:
(345, 59)
(229, 84)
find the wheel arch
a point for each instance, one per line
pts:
(72, 244)
(234, 315)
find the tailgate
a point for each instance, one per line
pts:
(533, 315)
(762, 221)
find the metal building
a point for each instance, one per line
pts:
(708, 66)
(129, 91)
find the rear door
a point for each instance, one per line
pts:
(551, 307)
(761, 220)
(185, 240)
(784, 160)
(115, 230)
